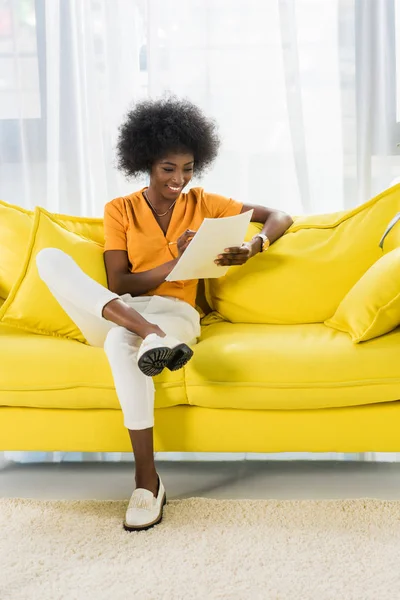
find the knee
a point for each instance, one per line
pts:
(116, 340)
(121, 343)
(50, 261)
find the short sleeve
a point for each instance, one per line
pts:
(220, 206)
(114, 228)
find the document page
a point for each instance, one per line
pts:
(211, 239)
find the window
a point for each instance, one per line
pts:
(19, 70)
(397, 30)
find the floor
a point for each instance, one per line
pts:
(229, 479)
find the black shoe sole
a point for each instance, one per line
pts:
(154, 361)
(181, 354)
(146, 527)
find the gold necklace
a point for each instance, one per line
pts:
(152, 207)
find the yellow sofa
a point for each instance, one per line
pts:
(268, 374)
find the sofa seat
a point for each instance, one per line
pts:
(51, 372)
(307, 366)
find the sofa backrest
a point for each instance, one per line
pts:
(301, 278)
(15, 228)
(305, 274)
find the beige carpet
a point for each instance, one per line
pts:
(203, 549)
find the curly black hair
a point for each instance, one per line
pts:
(154, 128)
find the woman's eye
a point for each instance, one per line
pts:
(186, 170)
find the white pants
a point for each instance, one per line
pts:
(83, 299)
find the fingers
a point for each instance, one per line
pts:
(236, 250)
(244, 250)
(229, 261)
(189, 233)
(185, 238)
(233, 256)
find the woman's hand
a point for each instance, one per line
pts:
(184, 241)
(237, 255)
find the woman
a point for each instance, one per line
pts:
(145, 322)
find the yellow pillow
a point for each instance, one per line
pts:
(15, 226)
(372, 306)
(30, 305)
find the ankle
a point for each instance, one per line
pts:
(152, 329)
(148, 473)
(157, 330)
(143, 332)
(147, 481)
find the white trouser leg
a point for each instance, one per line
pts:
(176, 318)
(83, 300)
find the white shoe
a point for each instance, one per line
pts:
(157, 352)
(144, 510)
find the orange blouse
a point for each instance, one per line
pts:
(130, 225)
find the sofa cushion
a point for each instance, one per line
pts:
(290, 367)
(15, 226)
(372, 306)
(30, 305)
(304, 275)
(48, 372)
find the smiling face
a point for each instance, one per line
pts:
(170, 174)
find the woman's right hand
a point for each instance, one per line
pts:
(184, 241)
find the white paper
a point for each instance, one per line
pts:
(211, 239)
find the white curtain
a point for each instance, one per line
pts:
(306, 94)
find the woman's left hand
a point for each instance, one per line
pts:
(236, 256)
